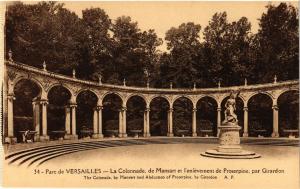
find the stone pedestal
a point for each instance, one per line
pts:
(229, 148)
(170, 134)
(70, 137)
(97, 136)
(122, 135)
(37, 138)
(10, 140)
(44, 138)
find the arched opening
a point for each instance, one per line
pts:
(58, 98)
(86, 103)
(260, 115)
(136, 106)
(239, 112)
(159, 108)
(182, 117)
(288, 107)
(25, 93)
(207, 117)
(112, 105)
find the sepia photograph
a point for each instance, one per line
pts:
(150, 94)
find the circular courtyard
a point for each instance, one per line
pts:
(276, 166)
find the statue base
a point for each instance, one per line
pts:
(229, 148)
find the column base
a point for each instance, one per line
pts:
(36, 138)
(245, 135)
(146, 135)
(44, 138)
(70, 137)
(170, 134)
(275, 135)
(194, 135)
(97, 136)
(10, 140)
(122, 135)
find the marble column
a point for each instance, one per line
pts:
(10, 120)
(194, 123)
(124, 133)
(36, 118)
(44, 136)
(95, 123)
(100, 134)
(67, 120)
(218, 120)
(73, 121)
(245, 134)
(120, 123)
(147, 123)
(275, 121)
(170, 120)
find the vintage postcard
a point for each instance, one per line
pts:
(148, 94)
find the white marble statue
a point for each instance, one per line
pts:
(230, 105)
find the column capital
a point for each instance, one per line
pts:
(72, 105)
(67, 106)
(275, 107)
(99, 108)
(194, 109)
(245, 108)
(219, 109)
(36, 101)
(171, 110)
(11, 97)
(44, 101)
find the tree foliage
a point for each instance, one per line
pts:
(116, 49)
(277, 45)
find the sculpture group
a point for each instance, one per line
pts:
(229, 136)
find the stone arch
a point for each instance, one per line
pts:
(207, 115)
(62, 85)
(260, 114)
(183, 96)
(86, 101)
(133, 95)
(288, 113)
(59, 98)
(160, 96)
(36, 81)
(85, 89)
(112, 92)
(211, 96)
(285, 91)
(27, 95)
(159, 112)
(257, 93)
(112, 113)
(182, 116)
(135, 106)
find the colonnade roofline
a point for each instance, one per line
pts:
(53, 75)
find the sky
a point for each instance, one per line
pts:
(161, 16)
